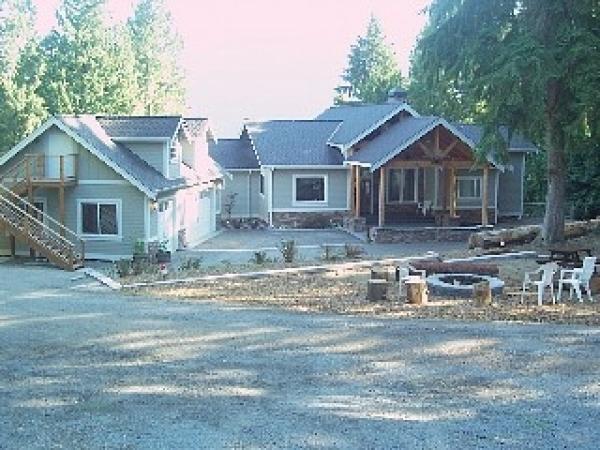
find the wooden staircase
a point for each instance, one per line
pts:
(21, 219)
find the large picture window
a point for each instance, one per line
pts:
(99, 218)
(402, 185)
(468, 187)
(310, 189)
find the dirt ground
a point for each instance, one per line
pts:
(344, 291)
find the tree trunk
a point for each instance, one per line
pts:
(554, 219)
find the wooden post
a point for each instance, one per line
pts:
(484, 196)
(482, 293)
(452, 192)
(377, 290)
(416, 291)
(61, 194)
(357, 192)
(382, 197)
(13, 246)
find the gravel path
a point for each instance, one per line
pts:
(84, 368)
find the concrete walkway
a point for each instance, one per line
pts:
(86, 368)
(239, 246)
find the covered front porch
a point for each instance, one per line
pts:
(432, 182)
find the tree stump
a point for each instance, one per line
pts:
(380, 273)
(482, 293)
(416, 291)
(377, 290)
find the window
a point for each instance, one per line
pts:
(262, 184)
(402, 185)
(468, 187)
(99, 218)
(174, 152)
(310, 189)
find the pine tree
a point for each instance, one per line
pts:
(88, 70)
(157, 48)
(372, 69)
(531, 65)
(21, 108)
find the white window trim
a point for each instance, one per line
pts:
(325, 200)
(401, 200)
(100, 237)
(468, 178)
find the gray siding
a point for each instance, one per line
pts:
(248, 199)
(337, 189)
(151, 152)
(510, 191)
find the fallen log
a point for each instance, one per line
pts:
(432, 267)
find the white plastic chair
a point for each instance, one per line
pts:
(578, 278)
(546, 280)
(404, 275)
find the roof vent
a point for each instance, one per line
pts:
(397, 95)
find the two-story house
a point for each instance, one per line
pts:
(102, 184)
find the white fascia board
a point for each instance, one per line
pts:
(28, 140)
(243, 170)
(139, 139)
(357, 163)
(60, 125)
(307, 167)
(423, 132)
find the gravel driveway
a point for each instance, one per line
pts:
(83, 368)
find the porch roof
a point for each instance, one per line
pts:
(408, 130)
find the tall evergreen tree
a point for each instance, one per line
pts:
(21, 108)
(88, 63)
(528, 64)
(157, 48)
(372, 68)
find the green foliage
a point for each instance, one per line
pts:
(288, 250)
(21, 108)
(89, 65)
(157, 48)
(260, 258)
(372, 68)
(353, 251)
(190, 264)
(532, 66)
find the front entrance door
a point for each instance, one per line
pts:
(366, 196)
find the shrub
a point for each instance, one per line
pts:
(190, 264)
(259, 258)
(353, 251)
(329, 253)
(288, 250)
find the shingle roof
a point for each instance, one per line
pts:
(358, 119)
(517, 142)
(294, 142)
(233, 154)
(92, 132)
(396, 137)
(140, 126)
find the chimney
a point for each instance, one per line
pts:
(344, 94)
(397, 95)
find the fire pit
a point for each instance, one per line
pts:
(461, 284)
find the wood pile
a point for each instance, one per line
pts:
(526, 234)
(432, 267)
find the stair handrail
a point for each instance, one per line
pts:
(75, 242)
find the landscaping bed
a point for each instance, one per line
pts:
(344, 291)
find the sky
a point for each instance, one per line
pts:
(270, 59)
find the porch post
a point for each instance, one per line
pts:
(381, 197)
(357, 192)
(61, 194)
(484, 196)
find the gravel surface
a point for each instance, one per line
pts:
(86, 368)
